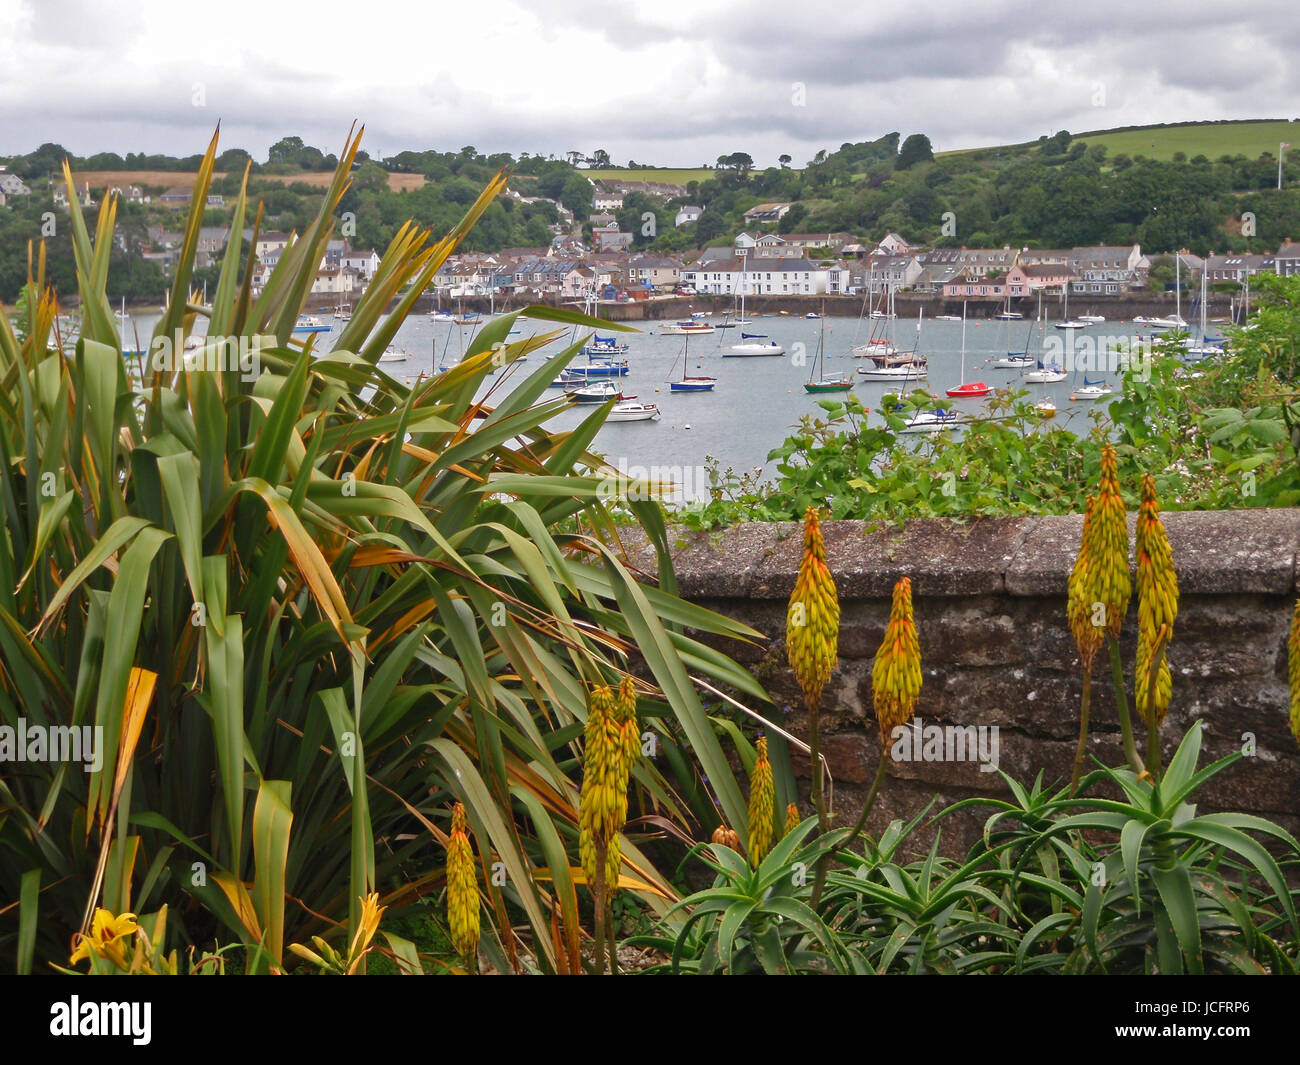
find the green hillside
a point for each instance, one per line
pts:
(1211, 139)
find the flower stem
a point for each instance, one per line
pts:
(881, 768)
(1121, 705)
(1085, 704)
(818, 798)
(1153, 730)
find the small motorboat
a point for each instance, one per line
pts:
(633, 412)
(687, 328)
(753, 345)
(1091, 390)
(1092, 319)
(969, 390)
(599, 392)
(1045, 375)
(310, 324)
(1013, 361)
(1073, 323)
(392, 353)
(911, 371)
(935, 420)
(604, 346)
(879, 348)
(1046, 408)
(948, 318)
(600, 368)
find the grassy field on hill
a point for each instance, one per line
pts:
(1210, 139)
(670, 176)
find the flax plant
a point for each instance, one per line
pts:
(310, 606)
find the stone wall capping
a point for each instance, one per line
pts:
(1250, 551)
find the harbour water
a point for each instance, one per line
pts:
(759, 401)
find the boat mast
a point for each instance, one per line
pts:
(963, 342)
(1178, 286)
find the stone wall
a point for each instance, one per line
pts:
(990, 612)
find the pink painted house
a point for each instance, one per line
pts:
(964, 286)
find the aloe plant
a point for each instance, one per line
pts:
(310, 608)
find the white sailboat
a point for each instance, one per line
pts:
(750, 345)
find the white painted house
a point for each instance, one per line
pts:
(364, 262)
(770, 277)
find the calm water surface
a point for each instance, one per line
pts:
(757, 402)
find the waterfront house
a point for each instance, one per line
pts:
(973, 284)
(577, 282)
(654, 271)
(686, 214)
(839, 279)
(1110, 270)
(879, 273)
(779, 277)
(1045, 275)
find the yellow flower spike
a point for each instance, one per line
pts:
(606, 767)
(105, 940)
(1109, 550)
(762, 805)
(1079, 609)
(462, 889)
(791, 819)
(1157, 605)
(813, 618)
(896, 674)
(1293, 670)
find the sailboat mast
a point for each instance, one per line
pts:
(963, 341)
(1178, 285)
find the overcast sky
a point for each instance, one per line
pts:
(672, 83)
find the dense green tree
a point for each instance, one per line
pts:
(916, 149)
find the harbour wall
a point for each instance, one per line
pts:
(990, 600)
(1114, 308)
